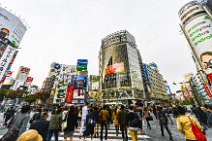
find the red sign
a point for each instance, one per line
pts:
(70, 94)
(29, 79)
(24, 70)
(207, 90)
(210, 77)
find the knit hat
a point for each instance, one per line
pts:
(30, 135)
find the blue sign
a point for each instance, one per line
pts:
(146, 73)
(82, 61)
(80, 82)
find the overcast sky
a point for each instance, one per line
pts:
(64, 30)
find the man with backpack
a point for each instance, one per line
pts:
(133, 123)
(90, 124)
(163, 120)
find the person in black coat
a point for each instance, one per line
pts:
(71, 124)
(41, 125)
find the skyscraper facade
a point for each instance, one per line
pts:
(120, 68)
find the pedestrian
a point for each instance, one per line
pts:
(167, 113)
(30, 135)
(139, 112)
(163, 120)
(115, 120)
(104, 117)
(202, 117)
(17, 124)
(147, 116)
(36, 116)
(96, 129)
(64, 113)
(83, 119)
(90, 124)
(122, 119)
(184, 124)
(55, 125)
(41, 125)
(133, 123)
(8, 115)
(72, 124)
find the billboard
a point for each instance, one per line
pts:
(78, 94)
(11, 27)
(115, 68)
(5, 60)
(94, 78)
(199, 31)
(80, 82)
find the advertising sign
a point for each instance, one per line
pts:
(78, 94)
(82, 73)
(5, 60)
(80, 82)
(11, 27)
(29, 79)
(115, 68)
(94, 78)
(199, 31)
(81, 67)
(23, 73)
(82, 61)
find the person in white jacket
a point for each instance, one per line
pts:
(83, 119)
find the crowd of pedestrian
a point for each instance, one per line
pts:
(94, 121)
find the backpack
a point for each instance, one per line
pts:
(91, 121)
(135, 121)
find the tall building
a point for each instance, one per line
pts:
(120, 68)
(155, 83)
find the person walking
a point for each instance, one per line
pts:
(71, 124)
(115, 120)
(17, 124)
(41, 125)
(133, 123)
(167, 111)
(8, 115)
(90, 124)
(184, 124)
(55, 125)
(202, 117)
(83, 119)
(122, 119)
(163, 122)
(147, 116)
(104, 117)
(36, 116)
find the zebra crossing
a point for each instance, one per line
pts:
(111, 136)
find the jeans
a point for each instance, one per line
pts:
(148, 125)
(167, 129)
(102, 126)
(134, 134)
(51, 132)
(117, 129)
(124, 134)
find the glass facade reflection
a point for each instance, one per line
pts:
(120, 48)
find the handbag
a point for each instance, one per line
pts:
(197, 132)
(64, 124)
(149, 118)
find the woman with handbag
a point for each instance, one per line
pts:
(184, 124)
(147, 116)
(72, 124)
